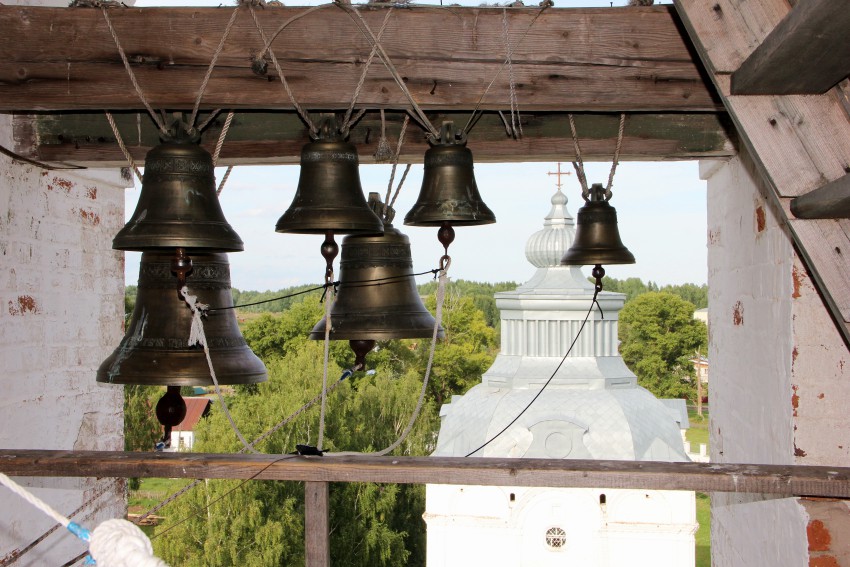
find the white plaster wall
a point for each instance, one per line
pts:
(751, 263)
(477, 525)
(61, 314)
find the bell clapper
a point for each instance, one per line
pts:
(361, 348)
(330, 249)
(170, 411)
(181, 266)
(598, 273)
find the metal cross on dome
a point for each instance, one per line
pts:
(559, 173)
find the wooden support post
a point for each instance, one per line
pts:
(317, 548)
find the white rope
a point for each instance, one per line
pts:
(438, 316)
(197, 336)
(211, 66)
(114, 543)
(328, 301)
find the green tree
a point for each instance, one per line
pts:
(141, 428)
(465, 353)
(658, 336)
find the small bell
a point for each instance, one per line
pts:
(597, 239)
(449, 193)
(155, 349)
(178, 206)
(329, 197)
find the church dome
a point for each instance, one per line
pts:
(546, 247)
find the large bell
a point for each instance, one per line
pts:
(329, 197)
(155, 349)
(377, 298)
(597, 239)
(449, 193)
(178, 206)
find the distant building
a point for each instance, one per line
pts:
(701, 368)
(183, 435)
(591, 409)
(702, 315)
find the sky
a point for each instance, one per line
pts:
(661, 210)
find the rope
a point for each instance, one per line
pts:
(121, 145)
(511, 79)
(346, 125)
(217, 152)
(197, 336)
(367, 32)
(114, 543)
(159, 123)
(211, 66)
(445, 262)
(543, 6)
(400, 183)
(578, 164)
(9, 153)
(267, 49)
(209, 119)
(383, 151)
(616, 154)
(545, 384)
(18, 553)
(328, 301)
(388, 203)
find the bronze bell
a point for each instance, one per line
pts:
(377, 298)
(178, 206)
(597, 239)
(155, 349)
(449, 193)
(329, 197)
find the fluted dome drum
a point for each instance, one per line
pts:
(178, 206)
(155, 349)
(377, 298)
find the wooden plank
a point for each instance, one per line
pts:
(832, 201)
(799, 143)
(579, 59)
(785, 480)
(317, 545)
(277, 137)
(807, 53)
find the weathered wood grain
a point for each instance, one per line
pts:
(277, 137)
(799, 143)
(832, 201)
(612, 59)
(316, 525)
(787, 480)
(806, 53)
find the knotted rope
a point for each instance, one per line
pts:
(197, 336)
(114, 543)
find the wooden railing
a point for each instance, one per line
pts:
(317, 472)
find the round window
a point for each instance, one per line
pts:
(556, 538)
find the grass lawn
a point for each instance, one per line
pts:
(151, 492)
(703, 535)
(698, 433)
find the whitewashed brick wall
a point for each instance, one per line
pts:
(61, 314)
(777, 369)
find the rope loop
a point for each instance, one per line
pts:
(445, 263)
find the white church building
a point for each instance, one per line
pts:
(592, 409)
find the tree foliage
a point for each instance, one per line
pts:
(658, 336)
(634, 287)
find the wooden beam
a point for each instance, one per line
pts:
(832, 201)
(580, 59)
(277, 137)
(785, 480)
(798, 142)
(807, 53)
(317, 544)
